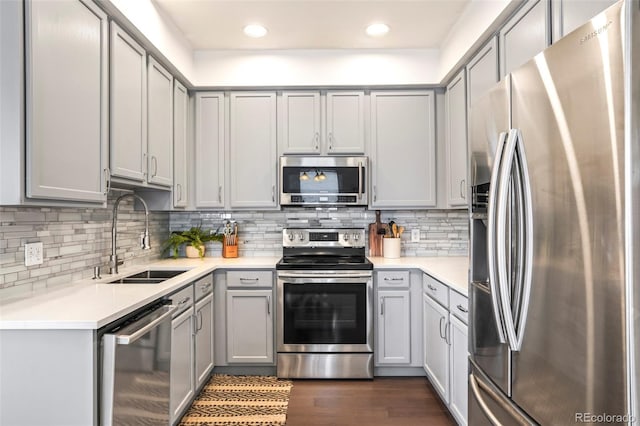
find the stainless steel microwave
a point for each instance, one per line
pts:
(323, 181)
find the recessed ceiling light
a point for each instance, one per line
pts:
(377, 30)
(255, 30)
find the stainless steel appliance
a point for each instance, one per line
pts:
(554, 224)
(136, 361)
(325, 181)
(324, 317)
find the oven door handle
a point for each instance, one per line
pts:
(325, 280)
(316, 275)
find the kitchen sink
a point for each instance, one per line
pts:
(153, 276)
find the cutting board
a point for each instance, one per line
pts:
(376, 233)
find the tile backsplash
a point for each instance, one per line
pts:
(442, 232)
(74, 240)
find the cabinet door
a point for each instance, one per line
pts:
(209, 150)
(482, 71)
(436, 349)
(252, 147)
(345, 123)
(128, 106)
(204, 340)
(180, 183)
(526, 34)
(300, 123)
(403, 149)
(457, 336)
(182, 357)
(393, 345)
(66, 100)
(456, 142)
(159, 124)
(570, 14)
(249, 327)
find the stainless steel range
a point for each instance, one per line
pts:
(324, 318)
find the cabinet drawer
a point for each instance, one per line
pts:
(204, 286)
(436, 290)
(459, 306)
(249, 278)
(183, 299)
(393, 279)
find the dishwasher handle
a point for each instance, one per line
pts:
(133, 332)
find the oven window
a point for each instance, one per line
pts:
(325, 313)
(326, 180)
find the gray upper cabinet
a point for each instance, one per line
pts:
(570, 14)
(180, 167)
(345, 123)
(252, 150)
(526, 34)
(128, 107)
(482, 71)
(209, 150)
(300, 123)
(66, 101)
(159, 124)
(456, 142)
(403, 150)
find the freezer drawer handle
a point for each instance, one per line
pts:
(483, 405)
(127, 339)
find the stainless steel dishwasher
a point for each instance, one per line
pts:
(136, 361)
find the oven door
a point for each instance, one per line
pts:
(324, 312)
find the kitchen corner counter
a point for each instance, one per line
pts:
(452, 271)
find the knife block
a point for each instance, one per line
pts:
(229, 250)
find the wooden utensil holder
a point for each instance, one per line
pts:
(229, 250)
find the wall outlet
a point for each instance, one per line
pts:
(33, 254)
(415, 235)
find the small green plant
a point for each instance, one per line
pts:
(195, 237)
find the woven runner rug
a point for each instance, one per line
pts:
(240, 400)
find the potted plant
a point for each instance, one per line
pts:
(194, 238)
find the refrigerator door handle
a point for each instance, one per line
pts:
(526, 263)
(491, 239)
(501, 237)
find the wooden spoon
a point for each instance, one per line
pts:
(400, 231)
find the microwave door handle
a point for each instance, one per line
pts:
(360, 180)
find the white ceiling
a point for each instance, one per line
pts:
(313, 24)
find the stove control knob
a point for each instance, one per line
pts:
(356, 236)
(345, 237)
(290, 235)
(301, 236)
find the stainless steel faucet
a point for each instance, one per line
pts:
(144, 243)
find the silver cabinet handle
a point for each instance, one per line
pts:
(375, 193)
(249, 279)
(205, 287)
(145, 165)
(316, 139)
(440, 328)
(447, 333)
(183, 301)
(432, 288)
(393, 279)
(331, 141)
(273, 193)
(179, 190)
(462, 191)
(220, 193)
(268, 305)
(201, 320)
(382, 306)
(462, 309)
(107, 180)
(155, 166)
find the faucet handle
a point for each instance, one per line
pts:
(96, 273)
(145, 241)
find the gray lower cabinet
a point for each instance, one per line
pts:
(209, 150)
(525, 34)
(456, 142)
(482, 71)
(159, 124)
(459, 362)
(570, 14)
(403, 152)
(253, 164)
(436, 348)
(128, 106)
(66, 101)
(180, 135)
(182, 363)
(204, 339)
(393, 344)
(250, 326)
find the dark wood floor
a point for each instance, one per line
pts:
(382, 401)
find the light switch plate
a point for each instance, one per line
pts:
(415, 235)
(33, 254)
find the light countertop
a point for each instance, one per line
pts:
(90, 304)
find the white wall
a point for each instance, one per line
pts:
(160, 31)
(315, 67)
(478, 16)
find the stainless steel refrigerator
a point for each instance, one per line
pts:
(555, 173)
